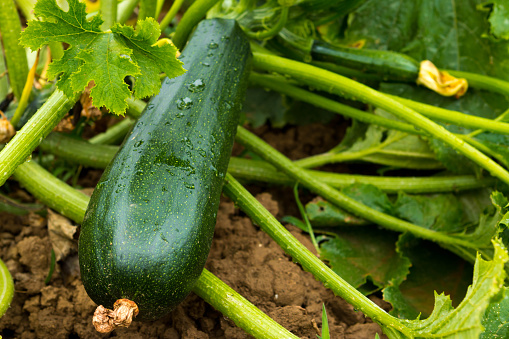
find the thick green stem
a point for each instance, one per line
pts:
(256, 323)
(85, 153)
(170, 15)
(191, 17)
(15, 55)
(147, 9)
(269, 224)
(4, 79)
(108, 13)
(453, 117)
(483, 82)
(76, 151)
(260, 171)
(285, 165)
(283, 86)
(72, 204)
(52, 191)
(6, 288)
(33, 132)
(125, 10)
(114, 134)
(334, 83)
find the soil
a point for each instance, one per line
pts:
(242, 256)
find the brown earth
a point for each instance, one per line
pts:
(242, 256)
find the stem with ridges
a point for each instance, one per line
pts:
(114, 134)
(211, 289)
(78, 151)
(191, 17)
(285, 165)
(125, 10)
(52, 191)
(108, 13)
(147, 9)
(15, 55)
(299, 253)
(6, 288)
(168, 18)
(33, 132)
(340, 85)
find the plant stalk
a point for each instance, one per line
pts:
(170, 15)
(211, 289)
(95, 156)
(285, 165)
(191, 17)
(14, 53)
(334, 83)
(108, 13)
(33, 132)
(6, 288)
(299, 253)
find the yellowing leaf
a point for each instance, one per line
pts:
(106, 58)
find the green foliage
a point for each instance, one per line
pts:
(433, 269)
(496, 318)
(365, 253)
(106, 58)
(498, 18)
(464, 321)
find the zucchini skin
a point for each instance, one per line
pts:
(149, 224)
(386, 64)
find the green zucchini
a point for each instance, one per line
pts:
(386, 64)
(149, 224)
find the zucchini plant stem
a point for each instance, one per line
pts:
(453, 117)
(269, 33)
(343, 86)
(71, 203)
(211, 289)
(114, 134)
(278, 84)
(269, 224)
(483, 82)
(15, 56)
(191, 17)
(125, 10)
(6, 288)
(97, 156)
(285, 165)
(170, 15)
(108, 13)
(283, 86)
(33, 132)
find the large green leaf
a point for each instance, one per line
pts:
(449, 33)
(106, 58)
(433, 269)
(366, 252)
(439, 212)
(464, 321)
(496, 318)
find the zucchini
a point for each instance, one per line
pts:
(149, 224)
(386, 64)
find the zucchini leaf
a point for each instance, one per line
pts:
(464, 321)
(366, 253)
(388, 147)
(496, 318)
(106, 58)
(498, 18)
(433, 269)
